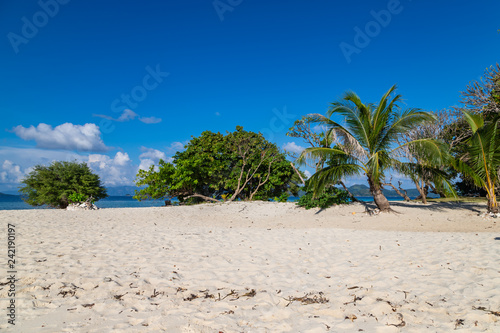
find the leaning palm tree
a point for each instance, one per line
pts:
(368, 141)
(481, 161)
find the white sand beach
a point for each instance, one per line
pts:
(255, 267)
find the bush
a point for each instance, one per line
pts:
(331, 196)
(76, 197)
(282, 198)
(60, 183)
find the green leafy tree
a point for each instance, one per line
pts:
(239, 165)
(55, 184)
(367, 144)
(304, 128)
(481, 160)
(480, 97)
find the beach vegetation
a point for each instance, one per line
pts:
(329, 197)
(426, 172)
(480, 97)
(240, 165)
(76, 197)
(481, 156)
(61, 183)
(368, 142)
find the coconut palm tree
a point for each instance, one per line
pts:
(481, 160)
(368, 141)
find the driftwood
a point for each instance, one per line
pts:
(204, 197)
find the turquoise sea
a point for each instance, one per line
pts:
(15, 202)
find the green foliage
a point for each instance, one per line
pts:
(283, 197)
(367, 143)
(331, 196)
(76, 197)
(481, 160)
(240, 165)
(53, 185)
(481, 98)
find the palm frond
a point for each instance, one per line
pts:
(357, 117)
(331, 175)
(404, 122)
(430, 151)
(317, 154)
(475, 120)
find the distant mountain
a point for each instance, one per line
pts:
(121, 190)
(364, 191)
(7, 195)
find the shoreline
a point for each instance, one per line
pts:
(412, 216)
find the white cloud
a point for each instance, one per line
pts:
(308, 174)
(66, 136)
(121, 159)
(113, 171)
(151, 153)
(11, 173)
(293, 147)
(126, 115)
(146, 164)
(151, 157)
(150, 120)
(175, 147)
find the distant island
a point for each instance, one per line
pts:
(364, 191)
(7, 195)
(357, 190)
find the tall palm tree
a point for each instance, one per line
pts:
(481, 160)
(368, 141)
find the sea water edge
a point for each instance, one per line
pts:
(15, 202)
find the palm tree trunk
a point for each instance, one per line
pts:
(492, 203)
(423, 192)
(379, 198)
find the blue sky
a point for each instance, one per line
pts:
(120, 84)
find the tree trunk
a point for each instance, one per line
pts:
(204, 197)
(379, 198)
(298, 173)
(492, 204)
(404, 195)
(423, 192)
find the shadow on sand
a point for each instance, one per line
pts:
(432, 206)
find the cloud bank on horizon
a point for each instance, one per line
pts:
(81, 143)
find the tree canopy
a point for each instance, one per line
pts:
(481, 159)
(482, 98)
(53, 185)
(239, 165)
